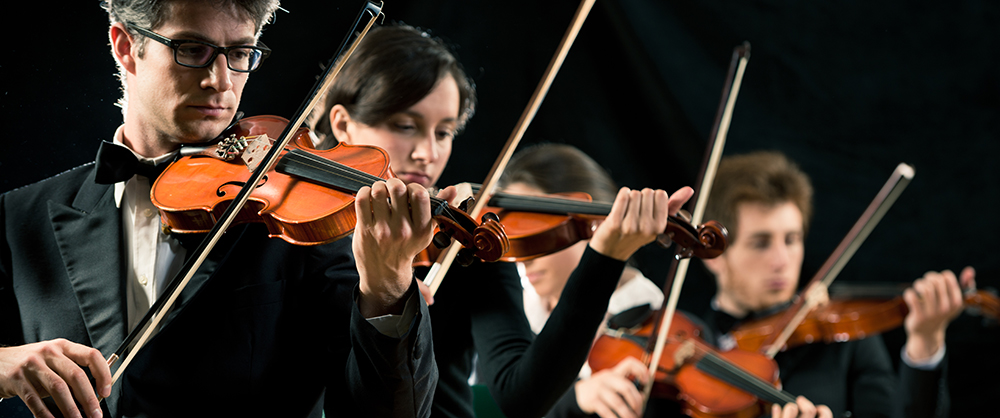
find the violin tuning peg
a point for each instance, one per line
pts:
(466, 204)
(685, 215)
(442, 239)
(465, 257)
(664, 240)
(490, 217)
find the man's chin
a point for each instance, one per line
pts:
(201, 133)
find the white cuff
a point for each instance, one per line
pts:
(397, 325)
(930, 364)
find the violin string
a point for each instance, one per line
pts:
(297, 159)
(357, 177)
(546, 204)
(553, 205)
(732, 374)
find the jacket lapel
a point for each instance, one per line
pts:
(90, 242)
(88, 235)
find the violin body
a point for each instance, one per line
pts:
(194, 191)
(681, 374)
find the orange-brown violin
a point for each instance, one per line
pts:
(307, 199)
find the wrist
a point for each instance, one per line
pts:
(383, 294)
(610, 251)
(920, 347)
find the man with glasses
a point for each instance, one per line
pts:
(266, 328)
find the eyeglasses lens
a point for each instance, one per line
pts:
(197, 55)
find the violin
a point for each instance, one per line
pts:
(540, 225)
(849, 318)
(308, 199)
(706, 382)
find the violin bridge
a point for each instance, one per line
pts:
(685, 351)
(255, 150)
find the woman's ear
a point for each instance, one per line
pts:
(122, 47)
(341, 124)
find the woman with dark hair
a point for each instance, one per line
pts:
(404, 91)
(547, 169)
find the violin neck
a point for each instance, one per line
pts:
(309, 167)
(312, 168)
(545, 204)
(553, 205)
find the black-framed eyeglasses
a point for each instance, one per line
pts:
(197, 54)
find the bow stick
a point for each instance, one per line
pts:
(898, 181)
(737, 66)
(440, 267)
(149, 323)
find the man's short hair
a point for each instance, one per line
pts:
(150, 14)
(765, 177)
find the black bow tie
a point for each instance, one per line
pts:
(722, 321)
(116, 163)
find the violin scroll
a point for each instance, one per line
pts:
(706, 241)
(486, 241)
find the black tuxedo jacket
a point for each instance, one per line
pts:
(265, 328)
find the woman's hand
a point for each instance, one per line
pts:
(636, 218)
(610, 393)
(934, 301)
(394, 224)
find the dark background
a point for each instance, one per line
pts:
(848, 89)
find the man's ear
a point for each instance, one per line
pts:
(341, 124)
(122, 47)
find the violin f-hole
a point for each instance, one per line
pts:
(221, 192)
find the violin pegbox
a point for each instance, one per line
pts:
(230, 148)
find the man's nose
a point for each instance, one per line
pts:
(219, 75)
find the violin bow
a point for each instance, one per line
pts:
(435, 276)
(734, 79)
(895, 185)
(150, 322)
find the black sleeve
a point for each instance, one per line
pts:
(392, 377)
(872, 381)
(10, 322)
(567, 406)
(525, 377)
(367, 373)
(922, 393)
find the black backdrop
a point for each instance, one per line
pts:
(848, 89)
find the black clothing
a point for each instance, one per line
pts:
(273, 331)
(480, 309)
